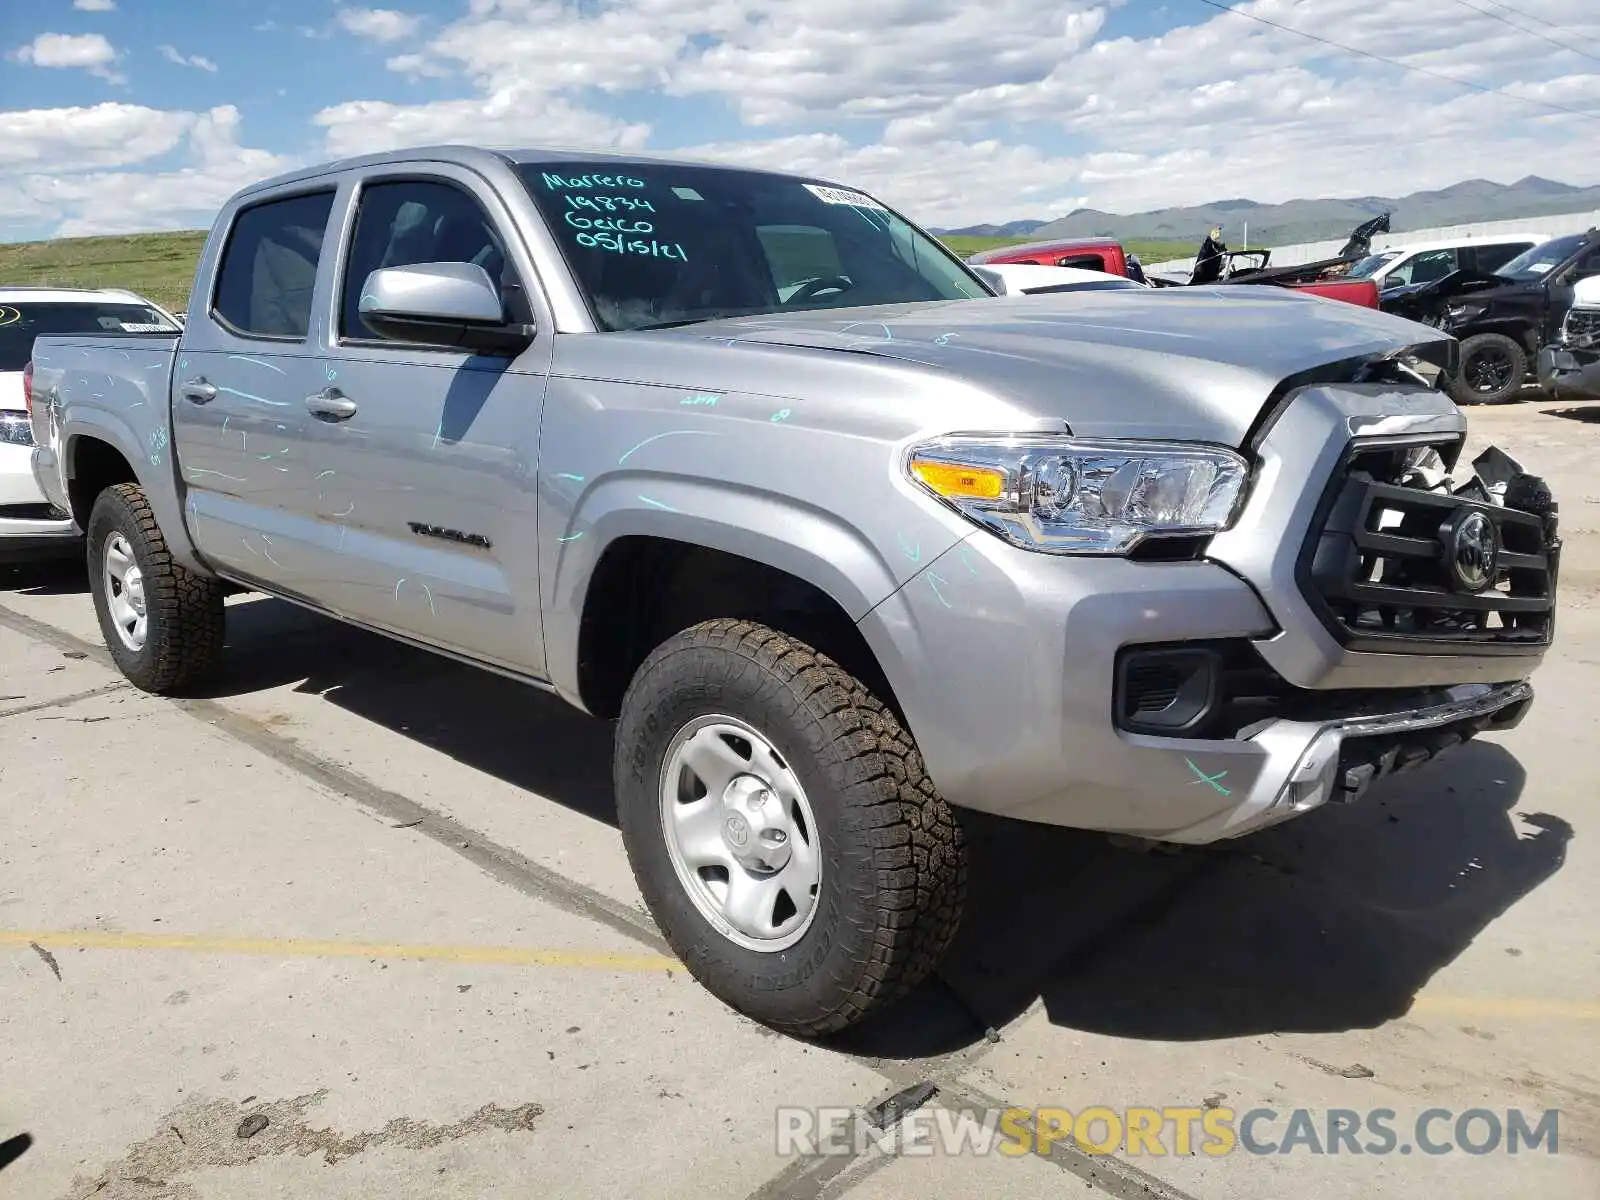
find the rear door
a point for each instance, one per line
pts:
(245, 367)
(425, 489)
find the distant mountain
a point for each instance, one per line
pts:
(1009, 229)
(1315, 220)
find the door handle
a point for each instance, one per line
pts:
(199, 391)
(331, 404)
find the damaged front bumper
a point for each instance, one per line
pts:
(1308, 764)
(1570, 372)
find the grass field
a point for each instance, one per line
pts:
(161, 265)
(157, 265)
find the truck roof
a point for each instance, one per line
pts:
(478, 157)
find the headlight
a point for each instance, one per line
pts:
(1070, 496)
(15, 429)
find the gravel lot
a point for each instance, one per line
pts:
(376, 900)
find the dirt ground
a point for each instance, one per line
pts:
(359, 923)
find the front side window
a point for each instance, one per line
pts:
(269, 267)
(410, 221)
(21, 322)
(653, 246)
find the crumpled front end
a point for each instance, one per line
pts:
(1374, 604)
(1570, 368)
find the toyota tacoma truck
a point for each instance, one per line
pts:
(843, 542)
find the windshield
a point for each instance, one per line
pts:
(665, 245)
(1369, 265)
(1540, 260)
(21, 323)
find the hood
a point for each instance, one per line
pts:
(1195, 363)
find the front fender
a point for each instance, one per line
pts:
(800, 539)
(1513, 328)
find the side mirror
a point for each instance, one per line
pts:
(440, 304)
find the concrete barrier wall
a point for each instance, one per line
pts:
(1304, 252)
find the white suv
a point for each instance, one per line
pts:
(1426, 262)
(29, 525)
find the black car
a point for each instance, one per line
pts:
(1502, 318)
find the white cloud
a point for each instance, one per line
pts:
(379, 24)
(171, 54)
(507, 117)
(79, 139)
(95, 5)
(88, 51)
(952, 111)
(61, 168)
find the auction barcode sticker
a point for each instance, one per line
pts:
(833, 195)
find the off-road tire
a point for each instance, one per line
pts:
(894, 859)
(1462, 392)
(183, 643)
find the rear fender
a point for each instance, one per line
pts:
(151, 459)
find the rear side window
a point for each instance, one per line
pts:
(1492, 258)
(269, 267)
(1084, 262)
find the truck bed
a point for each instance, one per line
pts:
(118, 386)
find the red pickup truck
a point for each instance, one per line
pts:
(1087, 254)
(1108, 254)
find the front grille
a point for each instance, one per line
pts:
(1389, 566)
(1582, 328)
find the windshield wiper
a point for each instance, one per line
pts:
(673, 324)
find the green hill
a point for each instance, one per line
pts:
(161, 265)
(157, 265)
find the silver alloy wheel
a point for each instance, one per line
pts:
(125, 592)
(740, 833)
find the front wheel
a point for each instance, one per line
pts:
(162, 623)
(782, 828)
(1493, 368)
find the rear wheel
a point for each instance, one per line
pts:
(1493, 368)
(162, 623)
(782, 828)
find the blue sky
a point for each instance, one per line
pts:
(118, 115)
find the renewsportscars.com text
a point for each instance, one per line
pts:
(1158, 1132)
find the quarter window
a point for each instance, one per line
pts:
(406, 222)
(268, 271)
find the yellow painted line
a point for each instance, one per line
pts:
(514, 956)
(1507, 1006)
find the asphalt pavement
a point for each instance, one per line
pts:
(358, 922)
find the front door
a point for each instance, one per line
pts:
(238, 407)
(425, 457)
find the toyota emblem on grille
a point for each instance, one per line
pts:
(1472, 550)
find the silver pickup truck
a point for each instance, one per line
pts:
(843, 541)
